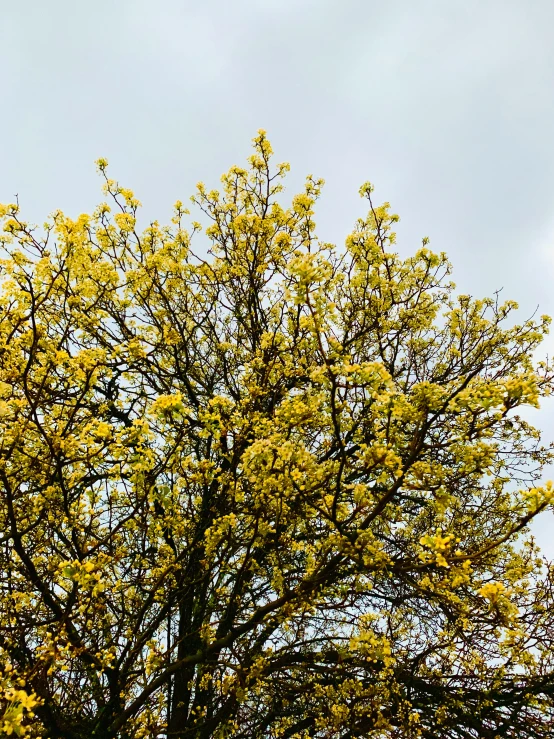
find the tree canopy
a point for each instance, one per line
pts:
(273, 488)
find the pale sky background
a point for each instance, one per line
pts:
(446, 105)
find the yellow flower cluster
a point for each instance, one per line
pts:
(255, 483)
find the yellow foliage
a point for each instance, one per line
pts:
(256, 485)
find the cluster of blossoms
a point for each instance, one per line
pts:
(267, 487)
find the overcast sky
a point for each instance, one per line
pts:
(446, 105)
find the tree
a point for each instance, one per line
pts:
(279, 491)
